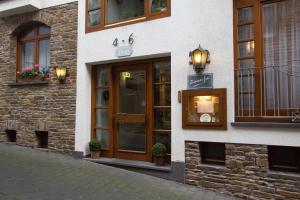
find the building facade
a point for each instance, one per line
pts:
(36, 37)
(232, 127)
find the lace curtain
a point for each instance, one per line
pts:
(281, 28)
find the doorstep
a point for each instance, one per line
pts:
(130, 164)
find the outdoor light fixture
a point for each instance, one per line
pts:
(61, 73)
(199, 57)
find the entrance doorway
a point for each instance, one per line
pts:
(132, 108)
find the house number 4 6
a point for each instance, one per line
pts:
(130, 40)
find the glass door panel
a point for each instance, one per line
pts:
(132, 137)
(132, 93)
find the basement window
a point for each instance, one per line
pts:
(284, 158)
(212, 153)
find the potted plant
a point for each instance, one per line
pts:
(30, 74)
(159, 151)
(95, 148)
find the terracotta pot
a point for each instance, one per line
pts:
(95, 154)
(160, 161)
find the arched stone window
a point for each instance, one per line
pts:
(33, 52)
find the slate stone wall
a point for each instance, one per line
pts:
(246, 174)
(25, 107)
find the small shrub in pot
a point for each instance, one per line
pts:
(95, 148)
(159, 152)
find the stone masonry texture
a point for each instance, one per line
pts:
(245, 174)
(52, 104)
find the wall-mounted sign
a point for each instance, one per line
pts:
(124, 51)
(197, 81)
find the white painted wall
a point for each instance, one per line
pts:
(208, 22)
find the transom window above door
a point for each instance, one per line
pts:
(102, 14)
(267, 60)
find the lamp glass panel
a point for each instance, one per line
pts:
(197, 57)
(63, 72)
(204, 57)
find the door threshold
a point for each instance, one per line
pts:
(130, 164)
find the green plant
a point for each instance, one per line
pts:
(159, 150)
(95, 145)
(28, 73)
(44, 73)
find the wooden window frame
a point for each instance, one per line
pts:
(258, 57)
(273, 165)
(103, 7)
(221, 93)
(36, 38)
(205, 159)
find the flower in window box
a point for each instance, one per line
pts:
(36, 66)
(28, 73)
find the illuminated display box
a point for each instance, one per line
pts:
(204, 109)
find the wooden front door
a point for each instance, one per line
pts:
(131, 112)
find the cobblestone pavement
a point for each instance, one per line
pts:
(36, 175)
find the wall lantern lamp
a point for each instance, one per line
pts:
(61, 73)
(198, 58)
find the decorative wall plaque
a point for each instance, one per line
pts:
(198, 81)
(124, 51)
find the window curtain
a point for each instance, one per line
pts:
(44, 55)
(27, 53)
(281, 26)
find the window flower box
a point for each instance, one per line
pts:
(30, 74)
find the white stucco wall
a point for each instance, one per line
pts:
(208, 22)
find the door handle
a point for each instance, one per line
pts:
(120, 118)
